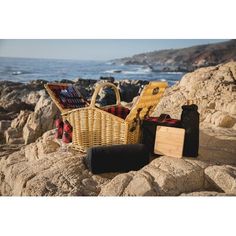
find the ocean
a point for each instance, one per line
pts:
(26, 69)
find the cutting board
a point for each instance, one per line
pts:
(169, 141)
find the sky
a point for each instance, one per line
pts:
(91, 49)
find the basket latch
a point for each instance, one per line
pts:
(155, 91)
(147, 113)
(136, 121)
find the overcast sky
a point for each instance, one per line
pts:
(93, 49)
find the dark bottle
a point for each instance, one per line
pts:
(190, 122)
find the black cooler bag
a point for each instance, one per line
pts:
(149, 126)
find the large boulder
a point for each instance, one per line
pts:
(25, 94)
(213, 89)
(45, 168)
(165, 176)
(41, 120)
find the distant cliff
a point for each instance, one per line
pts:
(185, 59)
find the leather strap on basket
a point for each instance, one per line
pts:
(101, 86)
(147, 113)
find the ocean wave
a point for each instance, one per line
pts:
(174, 73)
(113, 71)
(130, 72)
(17, 73)
(139, 71)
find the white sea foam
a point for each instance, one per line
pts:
(113, 71)
(174, 73)
(16, 73)
(139, 71)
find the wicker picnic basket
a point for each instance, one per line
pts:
(93, 126)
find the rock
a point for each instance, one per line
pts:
(7, 149)
(4, 125)
(130, 89)
(109, 79)
(234, 127)
(19, 122)
(217, 146)
(225, 121)
(8, 115)
(90, 184)
(164, 176)
(45, 168)
(33, 97)
(185, 59)
(14, 140)
(204, 194)
(44, 145)
(14, 133)
(106, 97)
(209, 88)
(41, 120)
(223, 177)
(141, 185)
(66, 81)
(17, 106)
(84, 82)
(53, 171)
(116, 186)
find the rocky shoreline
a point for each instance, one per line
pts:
(26, 110)
(184, 59)
(34, 163)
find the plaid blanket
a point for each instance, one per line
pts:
(63, 130)
(119, 111)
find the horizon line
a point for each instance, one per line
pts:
(52, 58)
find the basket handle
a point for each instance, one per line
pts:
(101, 86)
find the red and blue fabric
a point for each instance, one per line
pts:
(67, 132)
(119, 111)
(59, 128)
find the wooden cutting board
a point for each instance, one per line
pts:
(169, 141)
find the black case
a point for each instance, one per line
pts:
(149, 130)
(117, 158)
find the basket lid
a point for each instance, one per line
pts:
(65, 96)
(147, 101)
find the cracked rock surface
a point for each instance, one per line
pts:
(46, 168)
(49, 168)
